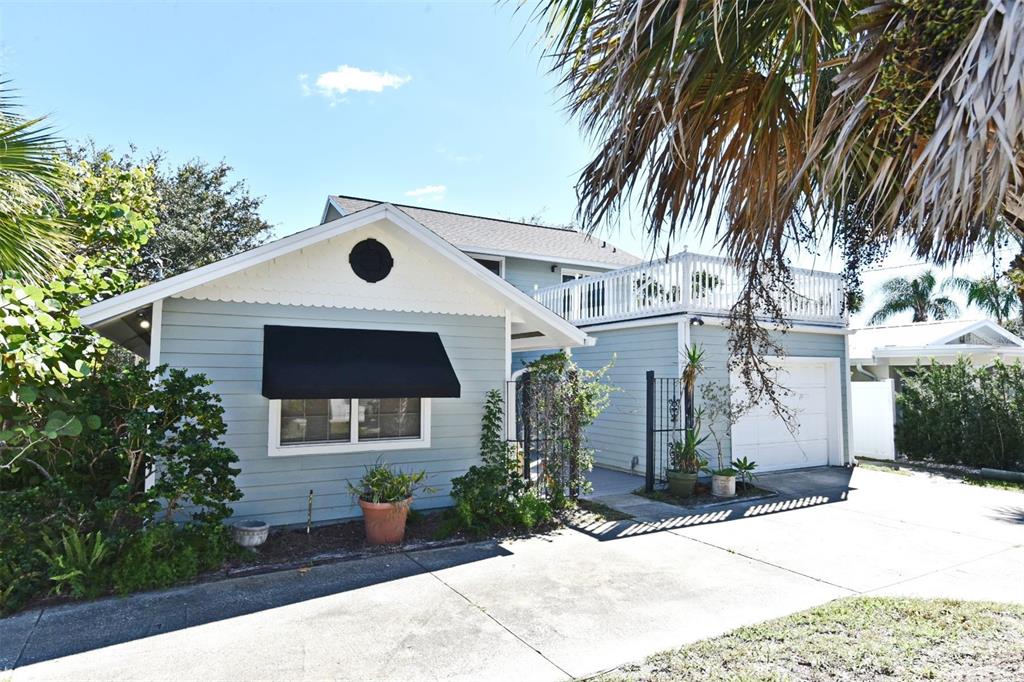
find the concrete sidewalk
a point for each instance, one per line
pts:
(553, 607)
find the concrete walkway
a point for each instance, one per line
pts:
(548, 608)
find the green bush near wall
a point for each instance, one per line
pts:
(962, 414)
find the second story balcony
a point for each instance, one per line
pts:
(687, 283)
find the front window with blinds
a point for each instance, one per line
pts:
(344, 421)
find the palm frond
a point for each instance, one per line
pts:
(33, 236)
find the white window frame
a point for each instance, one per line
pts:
(500, 260)
(276, 449)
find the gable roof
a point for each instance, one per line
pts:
(869, 342)
(477, 234)
(547, 322)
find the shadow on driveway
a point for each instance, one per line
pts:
(51, 632)
(794, 490)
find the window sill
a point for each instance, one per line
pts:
(347, 448)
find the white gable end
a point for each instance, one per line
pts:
(422, 280)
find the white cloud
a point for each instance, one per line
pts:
(347, 78)
(428, 191)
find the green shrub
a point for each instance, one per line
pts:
(493, 495)
(166, 554)
(77, 563)
(961, 414)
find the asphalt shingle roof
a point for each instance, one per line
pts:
(489, 235)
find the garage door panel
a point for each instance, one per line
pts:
(787, 456)
(804, 376)
(762, 436)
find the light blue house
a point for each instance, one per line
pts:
(379, 332)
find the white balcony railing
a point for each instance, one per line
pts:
(686, 282)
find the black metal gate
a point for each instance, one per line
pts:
(536, 434)
(666, 422)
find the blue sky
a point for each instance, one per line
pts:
(383, 100)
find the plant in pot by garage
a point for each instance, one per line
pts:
(685, 462)
(385, 495)
(745, 471)
(722, 413)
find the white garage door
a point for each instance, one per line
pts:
(762, 436)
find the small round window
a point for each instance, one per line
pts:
(371, 260)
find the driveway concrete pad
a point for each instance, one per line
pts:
(547, 607)
(590, 605)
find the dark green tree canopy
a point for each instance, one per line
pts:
(203, 216)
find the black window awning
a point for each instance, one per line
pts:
(320, 362)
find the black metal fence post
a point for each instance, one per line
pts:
(527, 419)
(649, 472)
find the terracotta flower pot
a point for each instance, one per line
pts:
(385, 521)
(681, 484)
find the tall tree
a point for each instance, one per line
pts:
(918, 295)
(33, 233)
(202, 215)
(785, 125)
(991, 295)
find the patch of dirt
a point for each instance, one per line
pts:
(335, 540)
(702, 495)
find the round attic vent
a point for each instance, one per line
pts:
(371, 260)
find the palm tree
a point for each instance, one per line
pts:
(775, 122)
(918, 295)
(33, 236)
(989, 294)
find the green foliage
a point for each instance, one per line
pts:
(744, 468)
(565, 399)
(493, 495)
(44, 348)
(918, 295)
(684, 455)
(961, 414)
(203, 216)
(381, 483)
(33, 234)
(164, 554)
(76, 562)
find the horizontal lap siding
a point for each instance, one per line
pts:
(529, 275)
(225, 342)
(618, 435)
(714, 342)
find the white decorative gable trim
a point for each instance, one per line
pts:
(420, 281)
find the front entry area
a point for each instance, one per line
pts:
(813, 436)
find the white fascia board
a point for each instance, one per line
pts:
(545, 258)
(548, 322)
(708, 319)
(945, 351)
(981, 324)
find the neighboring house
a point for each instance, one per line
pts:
(882, 352)
(379, 332)
(881, 356)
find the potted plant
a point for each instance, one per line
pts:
(745, 470)
(685, 462)
(384, 496)
(722, 412)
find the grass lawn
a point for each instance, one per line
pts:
(861, 638)
(992, 483)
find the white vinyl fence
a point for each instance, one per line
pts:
(874, 416)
